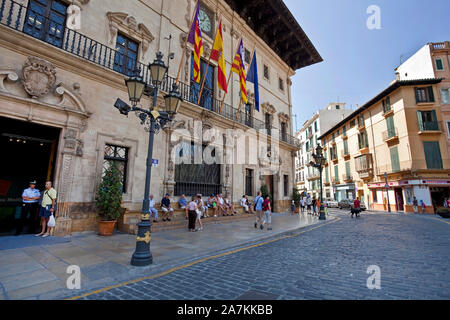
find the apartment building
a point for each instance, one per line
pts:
(432, 61)
(307, 177)
(396, 137)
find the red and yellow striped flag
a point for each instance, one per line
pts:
(239, 68)
(217, 54)
(195, 38)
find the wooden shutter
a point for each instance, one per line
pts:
(395, 162)
(433, 154)
(420, 120)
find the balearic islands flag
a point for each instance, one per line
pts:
(239, 68)
(195, 38)
(218, 55)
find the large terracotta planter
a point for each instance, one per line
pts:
(106, 228)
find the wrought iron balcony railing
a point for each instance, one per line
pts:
(431, 126)
(20, 18)
(390, 134)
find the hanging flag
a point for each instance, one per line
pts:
(239, 68)
(218, 55)
(195, 38)
(252, 77)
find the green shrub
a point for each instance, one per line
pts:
(109, 195)
(297, 197)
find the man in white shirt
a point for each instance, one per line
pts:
(152, 209)
(244, 203)
(221, 204)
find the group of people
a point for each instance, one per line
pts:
(37, 205)
(195, 210)
(311, 205)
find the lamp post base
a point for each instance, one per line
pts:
(322, 213)
(142, 256)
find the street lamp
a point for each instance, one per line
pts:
(154, 120)
(319, 163)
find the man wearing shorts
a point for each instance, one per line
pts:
(259, 211)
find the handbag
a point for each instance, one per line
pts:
(51, 222)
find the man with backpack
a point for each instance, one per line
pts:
(259, 211)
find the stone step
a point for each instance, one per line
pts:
(181, 223)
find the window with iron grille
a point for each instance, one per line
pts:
(191, 178)
(125, 58)
(117, 156)
(249, 182)
(45, 20)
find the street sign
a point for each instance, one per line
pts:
(155, 162)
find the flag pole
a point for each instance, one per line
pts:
(239, 109)
(228, 81)
(185, 44)
(206, 73)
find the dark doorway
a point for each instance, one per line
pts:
(399, 199)
(28, 153)
(438, 196)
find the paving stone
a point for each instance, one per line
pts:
(326, 263)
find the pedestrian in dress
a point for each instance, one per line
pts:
(199, 212)
(302, 205)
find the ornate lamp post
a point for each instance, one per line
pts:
(153, 120)
(319, 163)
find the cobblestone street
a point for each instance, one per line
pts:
(325, 262)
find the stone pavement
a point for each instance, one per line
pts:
(33, 268)
(328, 261)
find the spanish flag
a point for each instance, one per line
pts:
(195, 38)
(218, 55)
(239, 68)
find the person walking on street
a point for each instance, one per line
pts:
(30, 199)
(47, 209)
(192, 207)
(302, 205)
(259, 211)
(415, 205)
(292, 208)
(267, 214)
(356, 207)
(308, 204)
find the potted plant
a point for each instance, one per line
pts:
(297, 197)
(109, 200)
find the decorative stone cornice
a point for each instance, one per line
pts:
(283, 117)
(128, 24)
(268, 108)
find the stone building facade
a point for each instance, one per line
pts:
(63, 65)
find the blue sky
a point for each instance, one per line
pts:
(358, 62)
